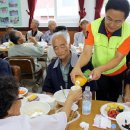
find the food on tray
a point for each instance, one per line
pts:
(113, 109)
(32, 97)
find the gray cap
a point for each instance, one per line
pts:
(10, 26)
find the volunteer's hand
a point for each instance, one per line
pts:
(75, 72)
(96, 73)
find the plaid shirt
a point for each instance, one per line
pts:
(47, 36)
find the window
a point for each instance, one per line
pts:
(103, 10)
(65, 12)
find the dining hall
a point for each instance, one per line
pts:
(64, 64)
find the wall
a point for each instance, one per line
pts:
(89, 5)
(90, 9)
(25, 16)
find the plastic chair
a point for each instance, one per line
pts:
(16, 71)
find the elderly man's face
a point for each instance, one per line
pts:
(61, 48)
(52, 26)
(9, 29)
(21, 37)
(33, 24)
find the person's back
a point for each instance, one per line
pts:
(21, 49)
(4, 68)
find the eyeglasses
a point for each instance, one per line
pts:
(115, 22)
(19, 98)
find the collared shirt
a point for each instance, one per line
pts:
(47, 36)
(78, 38)
(28, 50)
(65, 72)
(36, 34)
(4, 38)
(65, 69)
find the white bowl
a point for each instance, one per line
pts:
(43, 98)
(120, 118)
(24, 89)
(30, 108)
(60, 97)
(47, 99)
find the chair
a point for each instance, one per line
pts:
(16, 71)
(27, 66)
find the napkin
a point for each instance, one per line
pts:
(102, 122)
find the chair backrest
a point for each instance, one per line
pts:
(26, 64)
(16, 71)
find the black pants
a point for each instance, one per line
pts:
(109, 87)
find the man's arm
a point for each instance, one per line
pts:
(96, 73)
(82, 61)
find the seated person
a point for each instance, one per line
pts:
(50, 50)
(5, 38)
(4, 68)
(47, 35)
(127, 88)
(10, 103)
(79, 37)
(34, 32)
(58, 72)
(19, 49)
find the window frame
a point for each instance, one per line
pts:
(66, 21)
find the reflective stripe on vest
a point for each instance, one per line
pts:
(104, 49)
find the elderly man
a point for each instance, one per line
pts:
(58, 71)
(20, 49)
(5, 38)
(34, 32)
(47, 35)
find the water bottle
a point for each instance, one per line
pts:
(113, 127)
(87, 101)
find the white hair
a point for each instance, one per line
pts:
(51, 21)
(65, 34)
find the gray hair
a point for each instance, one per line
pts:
(36, 22)
(65, 34)
(51, 21)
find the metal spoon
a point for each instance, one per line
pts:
(63, 91)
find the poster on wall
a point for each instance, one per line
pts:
(10, 12)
